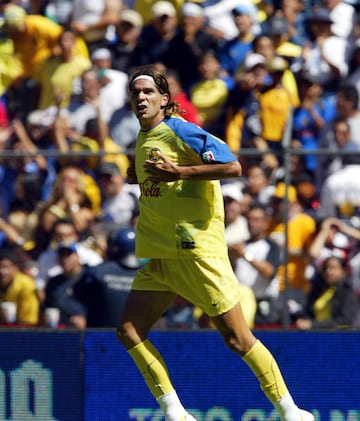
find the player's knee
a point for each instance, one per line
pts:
(126, 335)
(239, 345)
(122, 334)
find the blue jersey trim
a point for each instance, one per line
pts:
(202, 142)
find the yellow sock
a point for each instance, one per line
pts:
(152, 367)
(265, 368)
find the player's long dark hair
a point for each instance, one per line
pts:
(172, 107)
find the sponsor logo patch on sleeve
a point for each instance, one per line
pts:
(208, 156)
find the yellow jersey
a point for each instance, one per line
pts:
(22, 291)
(183, 218)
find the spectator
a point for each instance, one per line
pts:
(90, 103)
(4, 118)
(18, 288)
(310, 117)
(59, 11)
(353, 78)
(35, 7)
(24, 177)
(10, 73)
(95, 139)
(190, 112)
(58, 77)
(191, 42)
(236, 230)
(256, 263)
(266, 9)
(124, 127)
(34, 166)
(294, 11)
(11, 233)
(331, 303)
(300, 231)
(274, 113)
(110, 281)
(145, 9)
(333, 237)
(347, 100)
(259, 187)
(112, 151)
(21, 223)
(94, 21)
(277, 28)
(340, 191)
(233, 52)
(343, 16)
(111, 80)
(39, 126)
(343, 141)
(354, 264)
(63, 231)
(324, 57)
(242, 119)
(154, 42)
(7, 173)
(263, 44)
(125, 50)
(306, 192)
(209, 94)
(34, 38)
(75, 195)
(119, 204)
(220, 19)
(66, 291)
(347, 104)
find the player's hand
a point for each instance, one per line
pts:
(163, 168)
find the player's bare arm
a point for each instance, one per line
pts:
(168, 171)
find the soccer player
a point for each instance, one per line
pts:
(178, 166)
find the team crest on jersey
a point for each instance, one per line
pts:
(154, 154)
(208, 156)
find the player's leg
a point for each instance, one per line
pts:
(240, 339)
(142, 310)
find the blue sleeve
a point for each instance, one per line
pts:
(210, 148)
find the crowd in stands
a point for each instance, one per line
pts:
(263, 75)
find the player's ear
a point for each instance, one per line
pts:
(165, 99)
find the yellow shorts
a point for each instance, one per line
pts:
(209, 283)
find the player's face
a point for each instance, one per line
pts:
(147, 103)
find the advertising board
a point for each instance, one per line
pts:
(88, 376)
